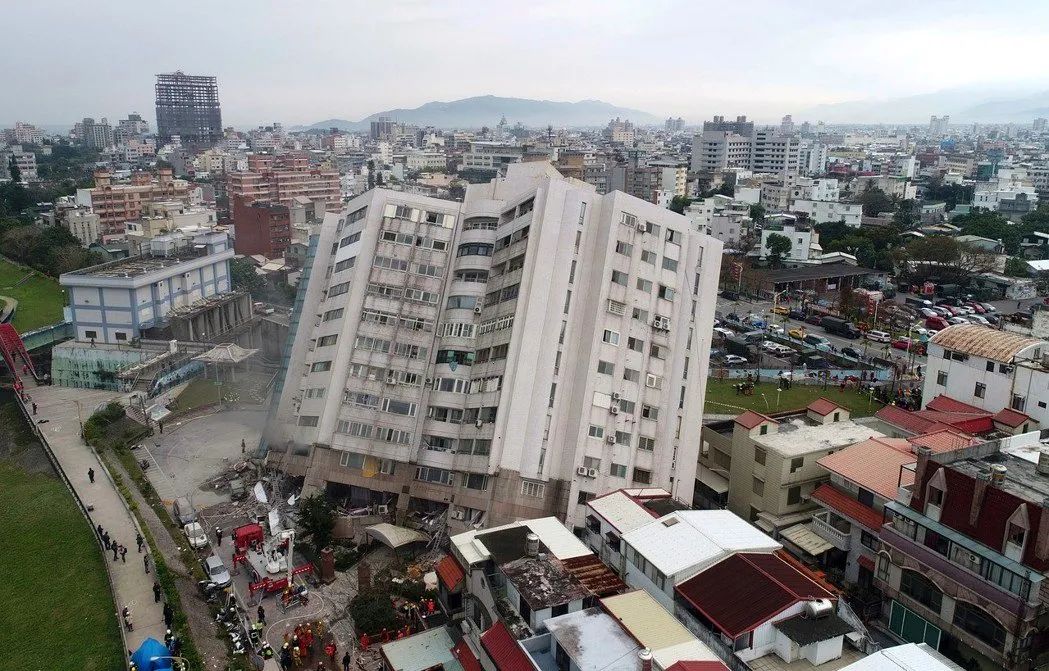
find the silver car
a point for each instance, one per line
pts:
(217, 571)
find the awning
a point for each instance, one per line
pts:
(806, 539)
(866, 562)
(394, 537)
(716, 481)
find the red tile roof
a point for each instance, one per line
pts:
(504, 650)
(450, 573)
(873, 464)
(1010, 417)
(466, 656)
(944, 440)
(750, 419)
(707, 665)
(947, 404)
(904, 419)
(824, 406)
(847, 506)
(931, 418)
(745, 590)
(963, 421)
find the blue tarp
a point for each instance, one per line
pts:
(150, 648)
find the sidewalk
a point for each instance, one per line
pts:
(133, 587)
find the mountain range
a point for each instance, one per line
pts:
(481, 111)
(964, 105)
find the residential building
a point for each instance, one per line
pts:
(23, 133)
(716, 150)
(114, 302)
(167, 217)
(24, 160)
(96, 135)
(821, 190)
(134, 126)
(907, 657)
(992, 370)
(821, 212)
(771, 462)
(116, 203)
(740, 126)
(804, 242)
(962, 561)
(426, 160)
(620, 131)
(672, 125)
(280, 179)
(262, 228)
(773, 152)
(1010, 192)
(83, 224)
(455, 301)
(492, 156)
(188, 108)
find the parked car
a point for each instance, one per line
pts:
(980, 309)
(817, 341)
(850, 352)
(797, 332)
(216, 571)
(734, 360)
(978, 319)
(954, 310)
(929, 312)
(958, 320)
(878, 336)
(781, 310)
(195, 535)
(938, 323)
(908, 345)
(722, 331)
(183, 511)
(815, 320)
(770, 346)
(730, 295)
(796, 313)
(989, 307)
(943, 312)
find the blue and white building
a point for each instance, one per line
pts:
(114, 302)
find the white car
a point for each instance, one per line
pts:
(978, 319)
(929, 312)
(776, 329)
(966, 310)
(196, 536)
(958, 320)
(734, 359)
(216, 571)
(724, 332)
(769, 346)
(878, 336)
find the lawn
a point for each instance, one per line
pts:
(198, 392)
(722, 399)
(40, 300)
(56, 610)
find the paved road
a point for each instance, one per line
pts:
(133, 587)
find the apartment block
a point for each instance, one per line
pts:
(262, 228)
(116, 203)
(24, 160)
(23, 133)
(280, 179)
(188, 108)
(167, 217)
(509, 357)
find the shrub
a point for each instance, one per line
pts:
(372, 612)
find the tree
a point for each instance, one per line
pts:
(371, 174)
(778, 246)
(1016, 267)
(244, 278)
(874, 201)
(906, 215)
(757, 213)
(317, 520)
(14, 170)
(679, 203)
(372, 611)
(833, 230)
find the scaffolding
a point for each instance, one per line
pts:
(188, 107)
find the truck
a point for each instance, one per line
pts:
(841, 327)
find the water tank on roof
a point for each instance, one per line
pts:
(819, 608)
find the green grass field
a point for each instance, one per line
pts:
(56, 610)
(722, 399)
(40, 300)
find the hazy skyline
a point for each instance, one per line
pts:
(304, 62)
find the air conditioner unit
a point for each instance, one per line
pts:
(382, 510)
(391, 380)
(973, 559)
(477, 310)
(642, 227)
(591, 472)
(478, 423)
(581, 470)
(371, 377)
(614, 410)
(458, 514)
(610, 439)
(429, 381)
(615, 396)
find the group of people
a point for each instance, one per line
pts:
(297, 650)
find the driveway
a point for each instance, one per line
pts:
(190, 453)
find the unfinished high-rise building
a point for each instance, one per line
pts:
(188, 107)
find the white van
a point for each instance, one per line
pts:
(878, 336)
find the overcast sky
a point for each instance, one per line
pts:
(304, 61)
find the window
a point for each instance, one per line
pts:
(325, 341)
(764, 429)
(757, 486)
(796, 463)
(462, 302)
(611, 337)
(640, 315)
(390, 263)
(308, 420)
(642, 476)
(644, 285)
(941, 378)
(883, 568)
(935, 496)
(91, 335)
(454, 356)
(1016, 534)
(759, 455)
(666, 293)
(649, 412)
(635, 344)
(596, 431)
(474, 249)
(333, 314)
(320, 366)
(869, 540)
(345, 264)
(535, 490)
(990, 366)
(314, 392)
(646, 443)
(120, 335)
(617, 471)
(1019, 402)
(979, 623)
(631, 375)
(350, 239)
(624, 248)
(648, 257)
(673, 236)
(605, 367)
(435, 475)
(627, 406)
(619, 277)
(396, 407)
(980, 390)
(658, 352)
(922, 590)
(653, 381)
(793, 496)
(623, 437)
(478, 481)
(669, 264)
(338, 289)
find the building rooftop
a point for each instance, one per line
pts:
(475, 546)
(628, 509)
(424, 650)
(846, 505)
(137, 265)
(698, 538)
(543, 582)
(909, 657)
(797, 436)
(653, 627)
(504, 650)
(873, 464)
(983, 341)
(1022, 478)
(595, 641)
(805, 630)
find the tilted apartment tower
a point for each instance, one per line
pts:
(509, 357)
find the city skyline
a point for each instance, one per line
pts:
(674, 64)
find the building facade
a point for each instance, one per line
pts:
(262, 228)
(188, 108)
(116, 203)
(280, 180)
(473, 368)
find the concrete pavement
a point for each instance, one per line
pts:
(133, 588)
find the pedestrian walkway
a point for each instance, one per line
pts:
(64, 409)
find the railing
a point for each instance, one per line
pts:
(822, 526)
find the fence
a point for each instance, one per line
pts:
(801, 375)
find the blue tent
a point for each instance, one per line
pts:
(150, 648)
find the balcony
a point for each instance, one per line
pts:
(833, 529)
